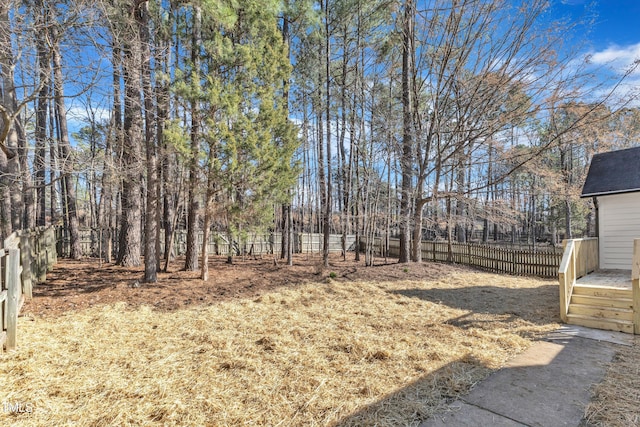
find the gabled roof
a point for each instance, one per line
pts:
(613, 172)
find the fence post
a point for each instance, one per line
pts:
(25, 257)
(13, 296)
(50, 242)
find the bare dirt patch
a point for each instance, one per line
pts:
(74, 285)
(266, 345)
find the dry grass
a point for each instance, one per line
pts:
(615, 400)
(338, 353)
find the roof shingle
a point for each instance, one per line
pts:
(613, 172)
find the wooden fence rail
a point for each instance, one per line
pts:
(519, 262)
(25, 258)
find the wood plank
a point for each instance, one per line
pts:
(607, 325)
(601, 312)
(636, 305)
(626, 303)
(602, 291)
(26, 258)
(563, 279)
(12, 242)
(14, 288)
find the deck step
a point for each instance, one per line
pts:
(599, 312)
(605, 324)
(605, 292)
(626, 303)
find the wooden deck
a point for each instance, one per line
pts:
(607, 279)
(603, 300)
(595, 298)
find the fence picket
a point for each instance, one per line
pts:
(486, 257)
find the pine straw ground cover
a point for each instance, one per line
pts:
(615, 400)
(345, 352)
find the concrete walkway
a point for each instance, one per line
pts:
(548, 385)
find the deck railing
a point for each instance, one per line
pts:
(635, 285)
(579, 259)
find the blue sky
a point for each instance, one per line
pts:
(615, 21)
(611, 41)
(615, 32)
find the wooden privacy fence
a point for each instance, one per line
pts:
(519, 262)
(262, 244)
(25, 258)
(256, 244)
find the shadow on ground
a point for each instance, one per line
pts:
(420, 399)
(538, 305)
(548, 385)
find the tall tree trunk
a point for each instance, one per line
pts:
(28, 193)
(204, 269)
(6, 60)
(130, 229)
(44, 75)
(406, 163)
(287, 226)
(416, 242)
(106, 222)
(343, 182)
(322, 176)
(167, 156)
(12, 198)
(151, 215)
(327, 206)
(17, 202)
(53, 167)
(65, 149)
(191, 261)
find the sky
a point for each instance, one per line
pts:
(615, 21)
(612, 40)
(614, 35)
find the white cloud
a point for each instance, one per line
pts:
(79, 115)
(618, 58)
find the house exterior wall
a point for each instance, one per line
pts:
(619, 224)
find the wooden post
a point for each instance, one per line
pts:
(13, 296)
(3, 301)
(566, 277)
(635, 264)
(26, 257)
(51, 247)
(635, 286)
